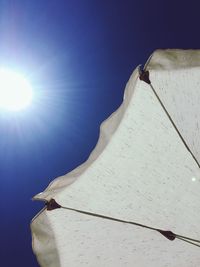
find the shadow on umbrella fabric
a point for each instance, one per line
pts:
(135, 201)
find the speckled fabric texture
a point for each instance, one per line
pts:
(141, 171)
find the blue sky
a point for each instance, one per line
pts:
(78, 56)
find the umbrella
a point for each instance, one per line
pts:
(135, 201)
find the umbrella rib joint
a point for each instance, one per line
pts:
(52, 205)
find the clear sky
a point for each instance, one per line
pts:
(78, 55)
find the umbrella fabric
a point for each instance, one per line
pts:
(140, 184)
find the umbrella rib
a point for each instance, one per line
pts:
(174, 125)
(188, 241)
(168, 234)
(188, 238)
(109, 218)
(144, 76)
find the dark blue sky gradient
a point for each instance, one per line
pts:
(78, 55)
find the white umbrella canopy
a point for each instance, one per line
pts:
(137, 196)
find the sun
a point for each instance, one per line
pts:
(15, 91)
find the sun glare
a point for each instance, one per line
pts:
(15, 91)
